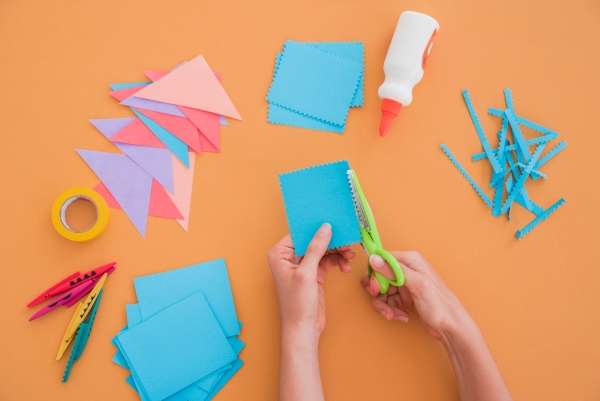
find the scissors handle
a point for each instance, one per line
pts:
(384, 282)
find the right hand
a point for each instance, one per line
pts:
(435, 304)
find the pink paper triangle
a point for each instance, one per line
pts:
(192, 84)
(137, 133)
(202, 120)
(181, 127)
(123, 94)
(208, 123)
(161, 205)
(183, 179)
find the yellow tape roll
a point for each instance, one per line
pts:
(59, 211)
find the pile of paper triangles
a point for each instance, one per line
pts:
(176, 116)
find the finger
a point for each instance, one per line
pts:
(392, 290)
(379, 265)
(399, 315)
(412, 260)
(316, 249)
(405, 296)
(384, 309)
(373, 286)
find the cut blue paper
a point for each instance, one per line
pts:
(160, 344)
(317, 195)
(157, 291)
(484, 197)
(316, 83)
(539, 218)
(174, 144)
(127, 85)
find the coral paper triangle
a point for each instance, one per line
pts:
(181, 127)
(161, 204)
(122, 94)
(137, 133)
(208, 123)
(192, 84)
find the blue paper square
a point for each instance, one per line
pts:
(157, 291)
(317, 195)
(314, 82)
(172, 349)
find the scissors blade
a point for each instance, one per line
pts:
(357, 198)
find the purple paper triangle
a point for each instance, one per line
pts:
(155, 161)
(128, 183)
(110, 126)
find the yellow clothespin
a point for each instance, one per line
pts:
(81, 311)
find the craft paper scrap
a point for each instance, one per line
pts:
(513, 164)
(315, 83)
(204, 121)
(161, 204)
(183, 180)
(174, 144)
(155, 161)
(161, 343)
(317, 195)
(156, 291)
(137, 133)
(192, 84)
(127, 182)
(127, 85)
(181, 127)
(136, 102)
(111, 126)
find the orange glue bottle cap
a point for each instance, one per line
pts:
(389, 110)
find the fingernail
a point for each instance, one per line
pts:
(376, 261)
(325, 228)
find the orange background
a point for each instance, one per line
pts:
(536, 300)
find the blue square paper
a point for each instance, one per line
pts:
(317, 195)
(316, 83)
(184, 340)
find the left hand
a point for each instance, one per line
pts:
(299, 280)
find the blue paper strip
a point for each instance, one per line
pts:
(522, 148)
(539, 218)
(470, 180)
(534, 141)
(523, 121)
(551, 153)
(174, 144)
(522, 178)
(127, 85)
(482, 138)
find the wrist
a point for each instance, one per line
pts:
(460, 330)
(299, 336)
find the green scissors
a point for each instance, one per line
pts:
(371, 241)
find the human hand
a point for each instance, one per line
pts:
(299, 280)
(436, 305)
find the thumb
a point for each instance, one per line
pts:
(316, 249)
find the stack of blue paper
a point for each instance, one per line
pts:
(316, 83)
(182, 341)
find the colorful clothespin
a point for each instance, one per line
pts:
(83, 309)
(72, 281)
(81, 338)
(67, 299)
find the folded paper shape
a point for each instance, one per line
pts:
(192, 84)
(109, 127)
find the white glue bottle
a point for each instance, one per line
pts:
(406, 57)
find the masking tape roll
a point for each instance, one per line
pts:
(59, 214)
